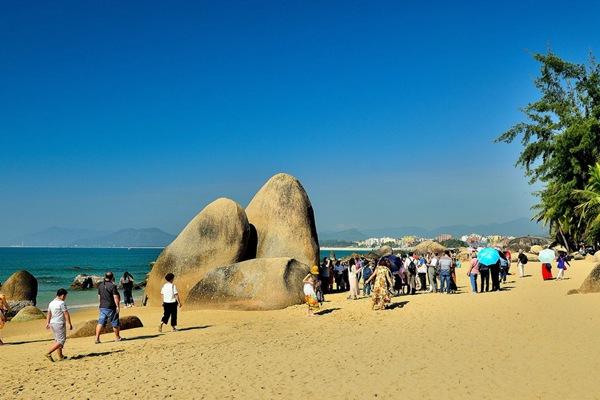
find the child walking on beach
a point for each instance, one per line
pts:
(562, 266)
(57, 319)
(170, 302)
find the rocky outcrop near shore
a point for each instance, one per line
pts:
(591, 284)
(20, 290)
(252, 259)
(259, 284)
(83, 282)
(29, 313)
(526, 242)
(284, 220)
(217, 236)
(88, 328)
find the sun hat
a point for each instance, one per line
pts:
(314, 270)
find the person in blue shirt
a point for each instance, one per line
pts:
(367, 271)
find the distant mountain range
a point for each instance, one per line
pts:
(66, 237)
(517, 227)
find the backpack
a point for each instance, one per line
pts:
(412, 269)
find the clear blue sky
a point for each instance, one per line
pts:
(137, 114)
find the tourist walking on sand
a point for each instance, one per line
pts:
(547, 271)
(4, 307)
(495, 274)
(171, 301)
(445, 267)
(484, 274)
(109, 298)
(410, 267)
(367, 271)
(127, 284)
(522, 261)
(383, 284)
(339, 271)
(324, 274)
(57, 319)
(562, 263)
(508, 256)
(422, 273)
(310, 282)
(353, 272)
(432, 271)
(473, 272)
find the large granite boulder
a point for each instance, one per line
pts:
(591, 284)
(284, 220)
(525, 243)
(259, 284)
(28, 313)
(597, 255)
(83, 281)
(88, 328)
(217, 236)
(20, 287)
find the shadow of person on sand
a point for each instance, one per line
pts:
(95, 354)
(193, 328)
(327, 311)
(142, 337)
(400, 304)
(27, 341)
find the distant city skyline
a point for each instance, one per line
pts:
(119, 115)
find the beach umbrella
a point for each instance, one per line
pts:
(547, 256)
(488, 256)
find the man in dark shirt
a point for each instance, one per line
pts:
(109, 299)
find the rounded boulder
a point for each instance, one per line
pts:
(284, 221)
(88, 328)
(259, 284)
(21, 287)
(28, 313)
(591, 284)
(217, 236)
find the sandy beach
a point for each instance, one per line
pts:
(531, 341)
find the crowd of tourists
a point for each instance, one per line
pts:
(407, 274)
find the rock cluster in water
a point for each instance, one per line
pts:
(252, 259)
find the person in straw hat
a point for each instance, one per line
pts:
(3, 311)
(311, 284)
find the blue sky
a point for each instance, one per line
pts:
(137, 114)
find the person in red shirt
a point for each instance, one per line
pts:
(508, 256)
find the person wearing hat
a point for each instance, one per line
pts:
(311, 283)
(3, 311)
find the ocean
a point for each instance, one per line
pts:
(56, 268)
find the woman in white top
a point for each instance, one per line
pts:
(353, 272)
(170, 302)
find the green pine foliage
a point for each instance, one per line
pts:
(561, 142)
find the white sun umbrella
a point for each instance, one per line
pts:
(547, 256)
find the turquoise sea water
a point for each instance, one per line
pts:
(55, 268)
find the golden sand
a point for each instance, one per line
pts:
(531, 341)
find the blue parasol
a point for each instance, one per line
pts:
(488, 256)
